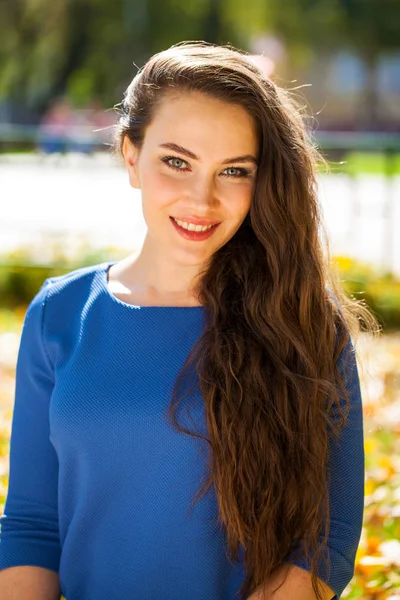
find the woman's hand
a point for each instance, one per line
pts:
(296, 587)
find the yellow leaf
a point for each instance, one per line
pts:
(386, 462)
(371, 445)
(369, 487)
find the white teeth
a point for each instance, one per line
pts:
(192, 226)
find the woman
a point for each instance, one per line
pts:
(180, 427)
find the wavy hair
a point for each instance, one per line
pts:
(276, 323)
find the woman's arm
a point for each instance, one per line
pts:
(33, 583)
(29, 532)
(296, 587)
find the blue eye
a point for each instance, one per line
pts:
(237, 172)
(170, 160)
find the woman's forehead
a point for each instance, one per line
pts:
(203, 118)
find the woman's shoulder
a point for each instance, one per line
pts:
(78, 277)
(68, 292)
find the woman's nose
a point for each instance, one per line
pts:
(204, 192)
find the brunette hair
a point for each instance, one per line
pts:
(276, 323)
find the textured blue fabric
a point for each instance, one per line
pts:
(101, 484)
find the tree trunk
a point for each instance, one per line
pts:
(370, 118)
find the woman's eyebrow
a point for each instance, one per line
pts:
(189, 154)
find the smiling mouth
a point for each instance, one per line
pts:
(193, 226)
(189, 232)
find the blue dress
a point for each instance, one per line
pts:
(101, 485)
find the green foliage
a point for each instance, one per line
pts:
(380, 290)
(48, 49)
(18, 284)
(374, 163)
(88, 49)
(21, 276)
(80, 86)
(358, 163)
(364, 25)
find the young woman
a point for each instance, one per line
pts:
(188, 421)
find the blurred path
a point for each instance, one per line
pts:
(77, 197)
(69, 198)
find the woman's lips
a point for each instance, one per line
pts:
(195, 220)
(195, 236)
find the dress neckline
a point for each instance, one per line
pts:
(107, 266)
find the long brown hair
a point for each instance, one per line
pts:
(277, 321)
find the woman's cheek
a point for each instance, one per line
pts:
(239, 195)
(158, 186)
(169, 183)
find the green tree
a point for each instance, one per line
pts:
(371, 28)
(368, 28)
(90, 48)
(32, 34)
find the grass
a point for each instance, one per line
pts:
(373, 163)
(365, 163)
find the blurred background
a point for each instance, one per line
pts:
(65, 200)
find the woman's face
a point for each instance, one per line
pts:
(197, 164)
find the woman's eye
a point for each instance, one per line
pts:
(174, 162)
(235, 172)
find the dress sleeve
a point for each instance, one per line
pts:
(29, 527)
(346, 491)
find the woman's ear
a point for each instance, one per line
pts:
(131, 157)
